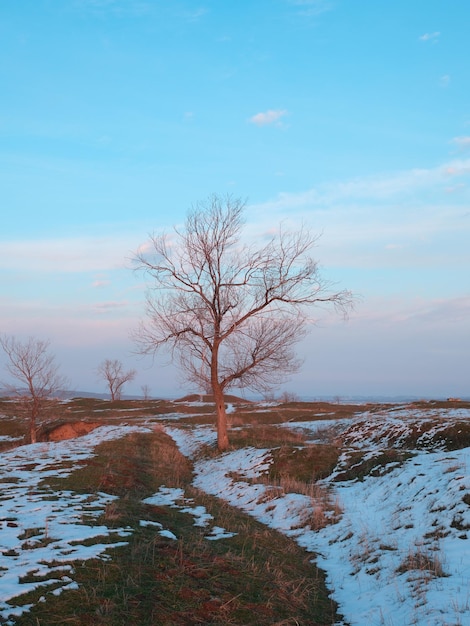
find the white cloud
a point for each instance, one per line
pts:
(405, 219)
(271, 116)
(100, 281)
(457, 168)
(455, 188)
(374, 188)
(433, 37)
(119, 8)
(105, 307)
(462, 142)
(450, 310)
(66, 255)
(444, 80)
(312, 8)
(193, 15)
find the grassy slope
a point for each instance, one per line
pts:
(256, 577)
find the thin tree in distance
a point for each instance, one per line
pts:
(31, 364)
(230, 313)
(145, 392)
(112, 371)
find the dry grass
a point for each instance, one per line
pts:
(296, 470)
(424, 561)
(264, 436)
(326, 508)
(256, 577)
(307, 463)
(356, 465)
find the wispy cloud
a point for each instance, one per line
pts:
(100, 281)
(266, 118)
(432, 37)
(70, 312)
(66, 255)
(377, 188)
(194, 14)
(444, 80)
(383, 221)
(105, 307)
(445, 310)
(462, 142)
(119, 8)
(312, 8)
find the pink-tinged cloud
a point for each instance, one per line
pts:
(73, 254)
(268, 117)
(100, 282)
(457, 168)
(104, 307)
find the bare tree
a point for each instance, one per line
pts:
(31, 364)
(230, 313)
(145, 392)
(288, 396)
(113, 373)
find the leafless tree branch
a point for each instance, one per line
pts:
(113, 373)
(231, 313)
(34, 368)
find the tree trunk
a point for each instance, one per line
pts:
(217, 390)
(222, 436)
(32, 424)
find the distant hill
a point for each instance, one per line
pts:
(208, 397)
(67, 394)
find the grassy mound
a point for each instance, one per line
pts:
(255, 577)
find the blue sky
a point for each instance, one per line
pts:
(354, 117)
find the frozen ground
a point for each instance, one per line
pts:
(399, 553)
(396, 551)
(41, 530)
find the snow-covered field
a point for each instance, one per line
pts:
(42, 531)
(399, 554)
(396, 552)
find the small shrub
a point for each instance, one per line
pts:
(288, 397)
(423, 561)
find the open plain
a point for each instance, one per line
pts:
(319, 513)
